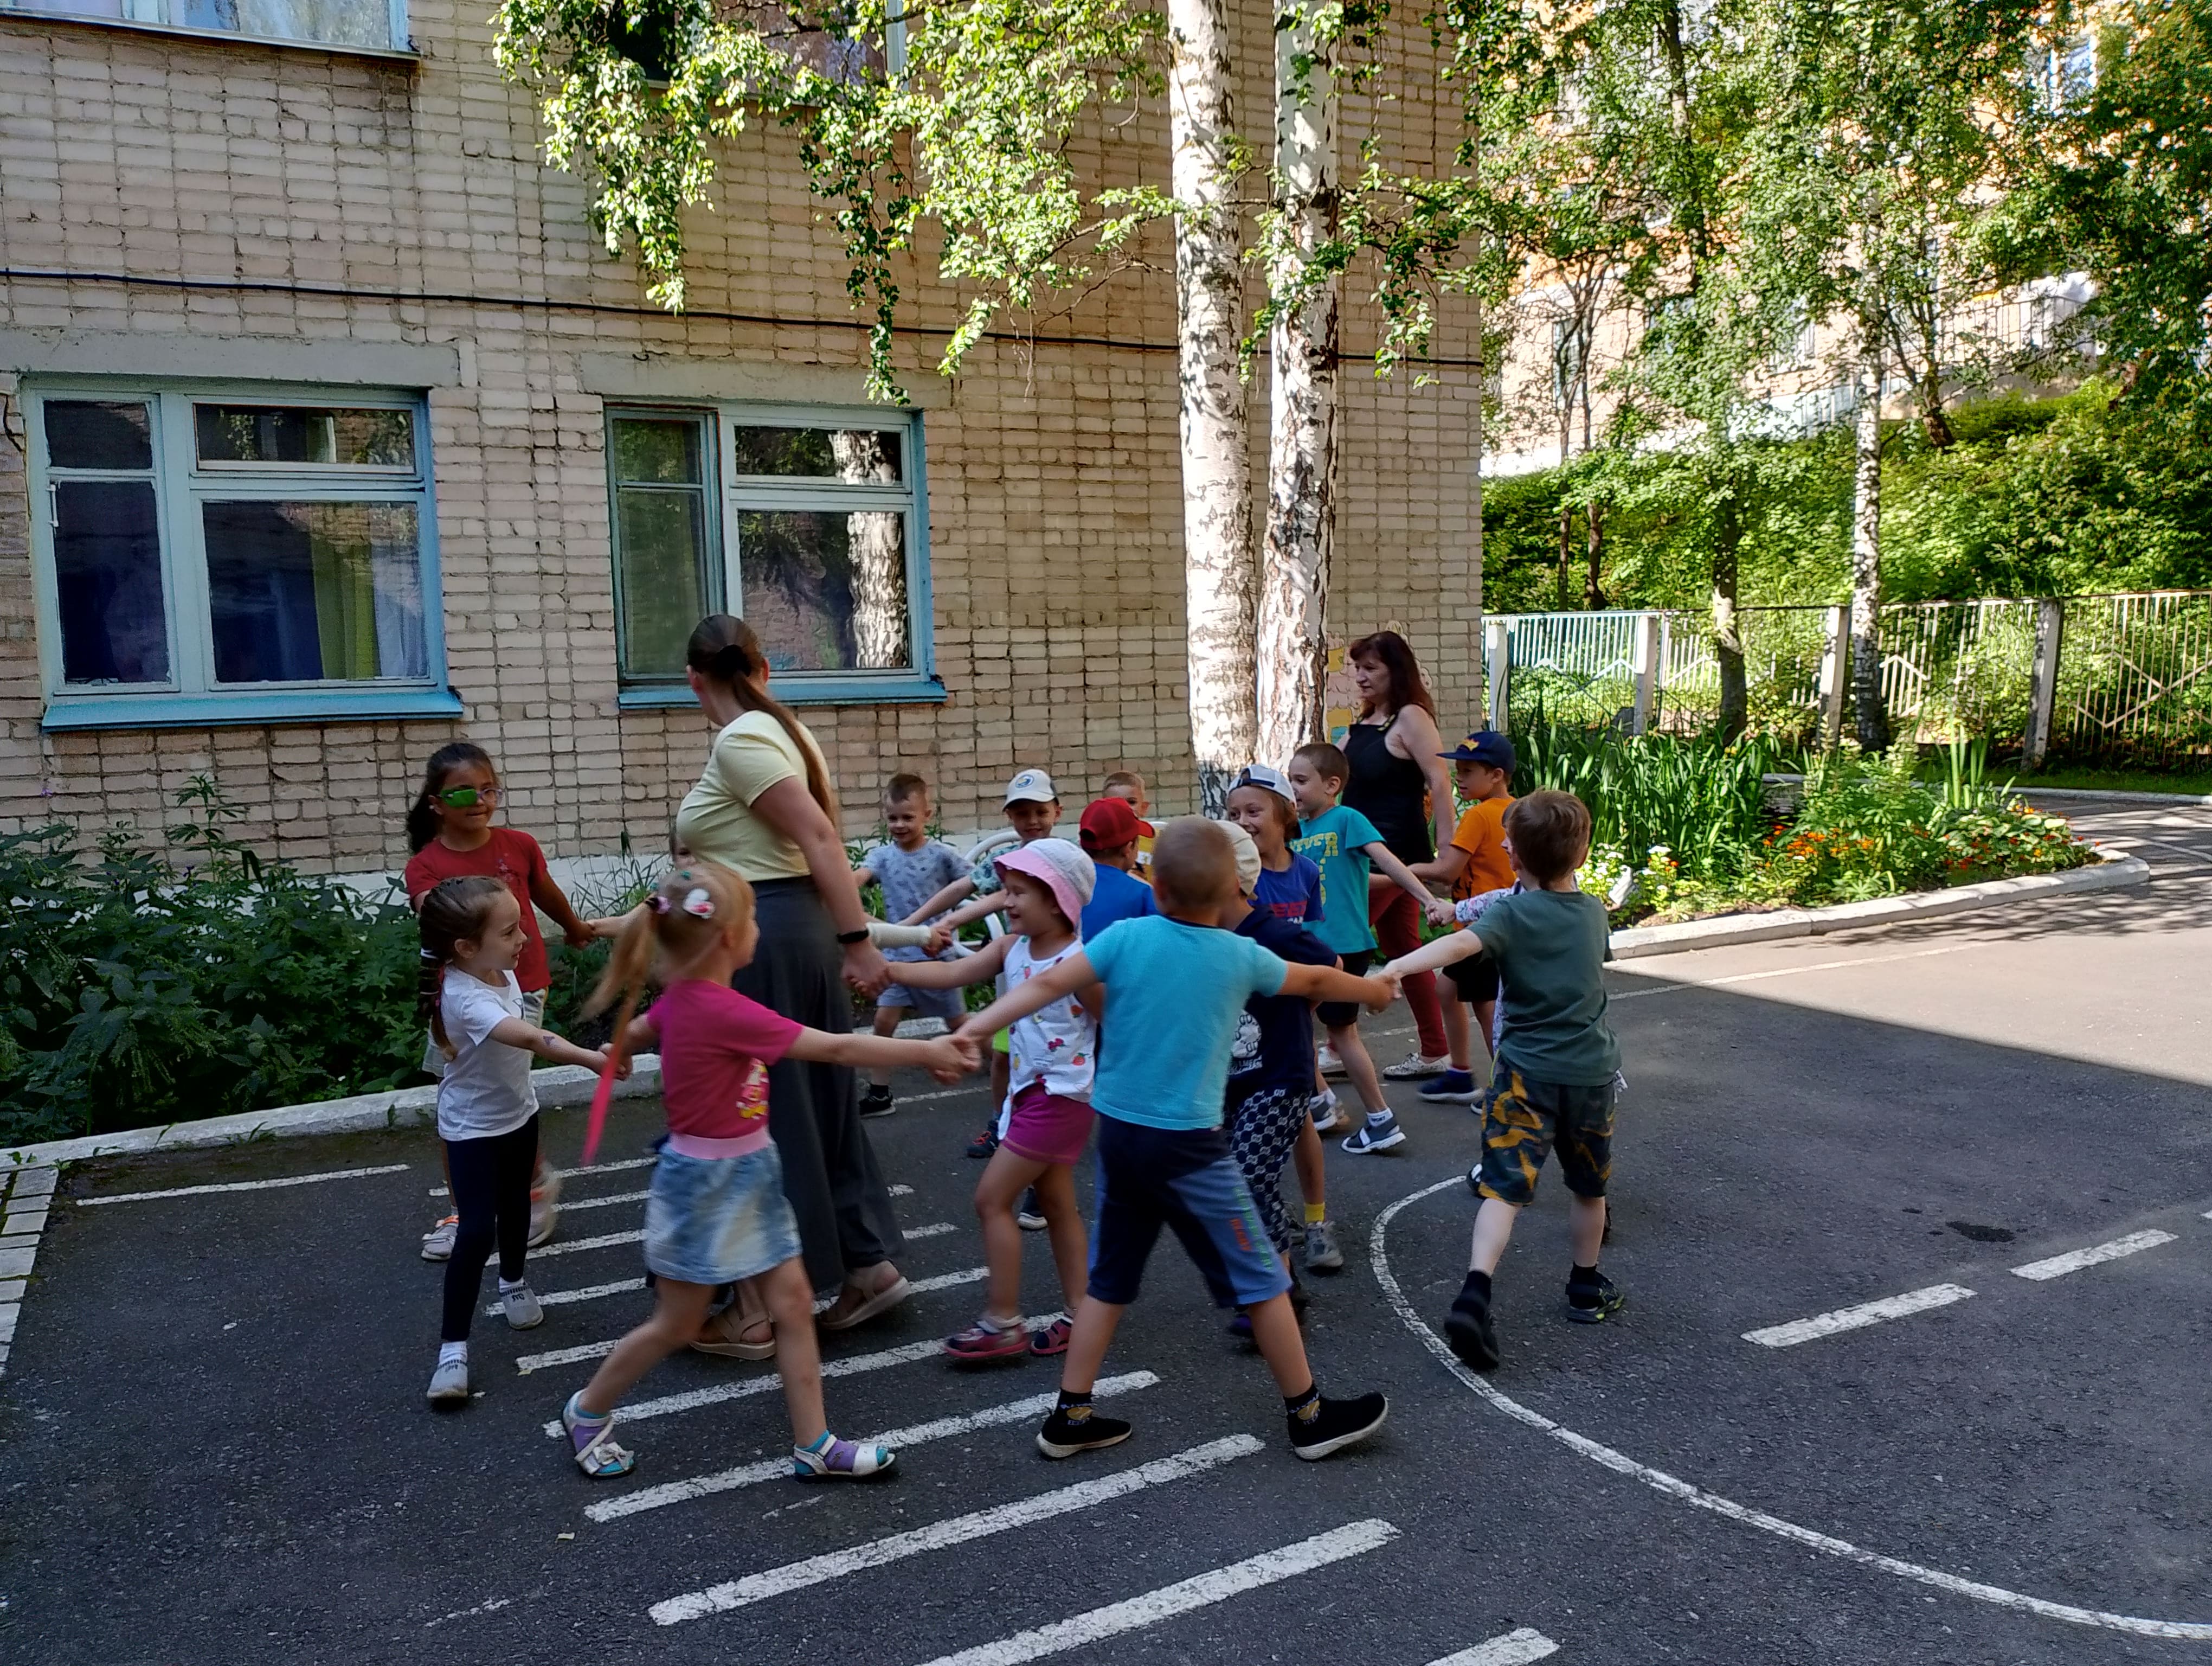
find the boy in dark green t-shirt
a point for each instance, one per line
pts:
(1558, 1063)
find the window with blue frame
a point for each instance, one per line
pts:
(233, 555)
(375, 25)
(810, 523)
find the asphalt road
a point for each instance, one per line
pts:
(216, 1448)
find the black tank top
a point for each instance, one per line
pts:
(1390, 791)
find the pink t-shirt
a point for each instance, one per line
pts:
(715, 1049)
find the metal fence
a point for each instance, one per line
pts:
(2121, 679)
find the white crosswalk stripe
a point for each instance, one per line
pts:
(1185, 1596)
(955, 1530)
(241, 1186)
(2075, 1260)
(571, 1246)
(743, 1387)
(779, 1468)
(1514, 1648)
(589, 1293)
(1855, 1318)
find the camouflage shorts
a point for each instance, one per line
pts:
(1528, 1121)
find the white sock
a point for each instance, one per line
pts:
(1378, 1116)
(450, 1351)
(517, 1284)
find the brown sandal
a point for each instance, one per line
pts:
(855, 1306)
(733, 1335)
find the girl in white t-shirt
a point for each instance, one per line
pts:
(1054, 1052)
(472, 935)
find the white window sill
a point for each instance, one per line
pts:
(214, 37)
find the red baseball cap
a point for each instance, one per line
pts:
(1110, 824)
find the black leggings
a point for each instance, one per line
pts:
(491, 1194)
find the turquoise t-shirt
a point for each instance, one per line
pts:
(1336, 840)
(1175, 992)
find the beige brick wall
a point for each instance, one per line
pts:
(1056, 512)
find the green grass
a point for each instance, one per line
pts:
(2195, 782)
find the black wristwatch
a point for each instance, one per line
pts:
(848, 939)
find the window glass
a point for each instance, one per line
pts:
(305, 435)
(314, 591)
(861, 456)
(337, 22)
(97, 433)
(107, 581)
(661, 514)
(826, 590)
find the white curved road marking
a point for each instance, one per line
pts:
(2187, 1630)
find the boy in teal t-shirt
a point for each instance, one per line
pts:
(1176, 983)
(1558, 1063)
(1342, 843)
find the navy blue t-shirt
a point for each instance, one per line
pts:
(1274, 1033)
(1114, 895)
(1294, 894)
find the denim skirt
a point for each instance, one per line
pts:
(720, 1219)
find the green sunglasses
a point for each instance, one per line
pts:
(467, 797)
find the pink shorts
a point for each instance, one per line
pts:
(1047, 1129)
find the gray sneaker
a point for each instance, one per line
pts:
(523, 1312)
(1323, 1254)
(1417, 1067)
(449, 1383)
(438, 1242)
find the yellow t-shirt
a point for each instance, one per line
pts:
(716, 819)
(1481, 834)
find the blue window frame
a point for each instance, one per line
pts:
(233, 554)
(810, 521)
(364, 26)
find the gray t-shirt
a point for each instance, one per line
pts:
(911, 877)
(1551, 947)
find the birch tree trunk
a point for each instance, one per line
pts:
(1869, 718)
(878, 554)
(1302, 449)
(1217, 464)
(1727, 622)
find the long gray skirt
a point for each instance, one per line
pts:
(829, 1171)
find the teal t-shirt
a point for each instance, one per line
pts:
(1336, 840)
(1175, 992)
(1550, 947)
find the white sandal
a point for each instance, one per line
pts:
(599, 1457)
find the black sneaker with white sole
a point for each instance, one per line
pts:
(1594, 1303)
(877, 1101)
(1334, 1425)
(1469, 1329)
(1063, 1436)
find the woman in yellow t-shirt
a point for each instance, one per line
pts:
(764, 807)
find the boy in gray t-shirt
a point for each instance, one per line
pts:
(1558, 1064)
(911, 867)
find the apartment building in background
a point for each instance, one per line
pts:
(332, 434)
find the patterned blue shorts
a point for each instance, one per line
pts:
(715, 1221)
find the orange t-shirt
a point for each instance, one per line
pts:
(1481, 834)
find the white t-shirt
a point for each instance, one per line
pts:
(487, 1089)
(1058, 1044)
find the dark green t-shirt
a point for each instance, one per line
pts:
(1550, 947)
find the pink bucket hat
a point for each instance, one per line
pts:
(1063, 870)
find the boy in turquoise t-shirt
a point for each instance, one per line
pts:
(1342, 843)
(1176, 983)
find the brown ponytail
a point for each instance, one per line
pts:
(673, 928)
(724, 651)
(453, 912)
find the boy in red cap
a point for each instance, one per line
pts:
(1109, 831)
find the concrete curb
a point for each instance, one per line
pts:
(2031, 789)
(1637, 942)
(408, 1107)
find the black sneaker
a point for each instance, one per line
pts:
(877, 1101)
(1337, 1423)
(1030, 1215)
(984, 1143)
(1468, 1329)
(1063, 1437)
(1593, 1303)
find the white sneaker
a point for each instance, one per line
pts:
(438, 1242)
(1323, 1254)
(449, 1383)
(523, 1312)
(1418, 1066)
(1330, 1064)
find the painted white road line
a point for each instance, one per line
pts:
(241, 1186)
(936, 1229)
(531, 1362)
(2187, 1630)
(900, 1191)
(617, 1166)
(605, 1241)
(1855, 1318)
(2057, 1267)
(779, 1468)
(589, 1293)
(1791, 971)
(744, 1387)
(611, 1198)
(1515, 1648)
(953, 1530)
(1184, 1597)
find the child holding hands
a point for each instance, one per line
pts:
(1558, 1063)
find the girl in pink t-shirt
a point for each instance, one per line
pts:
(716, 1212)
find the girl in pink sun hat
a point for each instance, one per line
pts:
(1054, 1048)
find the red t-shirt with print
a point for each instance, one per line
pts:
(715, 1048)
(511, 857)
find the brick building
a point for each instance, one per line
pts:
(331, 433)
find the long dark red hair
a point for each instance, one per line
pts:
(1395, 656)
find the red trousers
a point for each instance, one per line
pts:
(1396, 918)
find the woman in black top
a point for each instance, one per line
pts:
(1399, 783)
